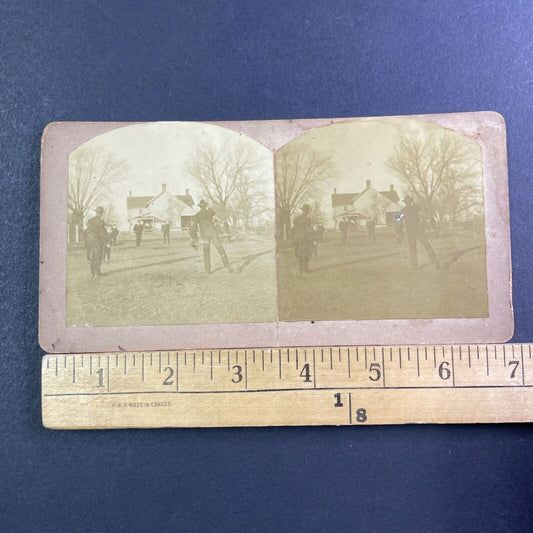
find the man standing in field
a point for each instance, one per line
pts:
(303, 236)
(371, 225)
(203, 221)
(138, 230)
(96, 239)
(415, 229)
(343, 226)
(165, 227)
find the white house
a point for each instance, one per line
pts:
(383, 206)
(165, 206)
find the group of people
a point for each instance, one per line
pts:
(411, 218)
(204, 230)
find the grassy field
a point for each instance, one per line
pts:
(364, 279)
(166, 284)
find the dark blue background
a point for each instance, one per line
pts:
(206, 60)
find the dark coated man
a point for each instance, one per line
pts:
(165, 228)
(415, 227)
(303, 236)
(97, 239)
(343, 226)
(138, 230)
(203, 220)
(371, 226)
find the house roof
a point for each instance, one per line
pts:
(186, 199)
(139, 202)
(348, 198)
(342, 199)
(391, 195)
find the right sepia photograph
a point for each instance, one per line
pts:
(380, 219)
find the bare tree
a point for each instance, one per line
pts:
(442, 171)
(225, 169)
(301, 173)
(252, 200)
(110, 217)
(91, 172)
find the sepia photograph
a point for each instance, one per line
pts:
(386, 230)
(380, 219)
(170, 223)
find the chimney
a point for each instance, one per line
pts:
(392, 188)
(130, 194)
(335, 190)
(187, 192)
(368, 184)
(163, 187)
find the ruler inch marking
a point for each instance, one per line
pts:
(350, 407)
(417, 363)
(453, 367)
(246, 369)
(383, 365)
(211, 353)
(349, 369)
(74, 369)
(314, 370)
(522, 359)
(142, 366)
(366, 359)
(177, 371)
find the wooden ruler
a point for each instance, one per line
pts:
(289, 386)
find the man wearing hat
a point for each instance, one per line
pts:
(208, 233)
(415, 229)
(97, 239)
(303, 235)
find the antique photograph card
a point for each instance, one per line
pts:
(177, 235)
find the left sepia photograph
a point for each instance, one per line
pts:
(170, 223)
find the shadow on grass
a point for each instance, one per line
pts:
(148, 265)
(455, 256)
(246, 261)
(364, 260)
